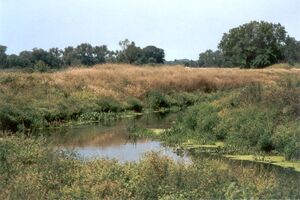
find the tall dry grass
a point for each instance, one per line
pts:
(127, 80)
(121, 80)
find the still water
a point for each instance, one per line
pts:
(111, 140)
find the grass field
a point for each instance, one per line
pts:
(119, 81)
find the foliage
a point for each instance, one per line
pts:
(84, 54)
(153, 54)
(134, 104)
(135, 55)
(254, 44)
(30, 169)
(108, 105)
(252, 119)
(157, 100)
(291, 51)
(211, 58)
(3, 56)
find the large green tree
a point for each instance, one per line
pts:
(153, 54)
(254, 44)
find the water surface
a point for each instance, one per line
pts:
(111, 140)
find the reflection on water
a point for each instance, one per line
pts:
(111, 141)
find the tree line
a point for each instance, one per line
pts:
(84, 54)
(251, 45)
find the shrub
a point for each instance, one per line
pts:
(250, 128)
(134, 104)
(287, 139)
(108, 105)
(9, 118)
(41, 66)
(157, 100)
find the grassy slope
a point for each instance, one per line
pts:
(41, 98)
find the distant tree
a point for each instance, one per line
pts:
(26, 59)
(291, 50)
(133, 54)
(14, 61)
(40, 55)
(211, 58)
(153, 54)
(191, 63)
(84, 53)
(101, 53)
(124, 44)
(3, 56)
(255, 44)
(56, 60)
(70, 57)
(130, 53)
(111, 57)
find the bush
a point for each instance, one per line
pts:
(9, 118)
(157, 100)
(108, 105)
(250, 128)
(134, 104)
(287, 139)
(41, 66)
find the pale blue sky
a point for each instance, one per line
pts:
(183, 28)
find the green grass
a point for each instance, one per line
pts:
(253, 120)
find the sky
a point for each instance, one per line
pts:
(183, 28)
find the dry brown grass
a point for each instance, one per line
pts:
(126, 80)
(120, 80)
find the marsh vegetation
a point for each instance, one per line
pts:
(245, 112)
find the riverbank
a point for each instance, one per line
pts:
(30, 169)
(246, 112)
(34, 100)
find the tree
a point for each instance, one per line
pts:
(3, 56)
(26, 59)
(153, 54)
(211, 58)
(70, 57)
(254, 44)
(84, 53)
(130, 53)
(14, 61)
(41, 55)
(56, 57)
(291, 50)
(124, 44)
(133, 54)
(100, 52)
